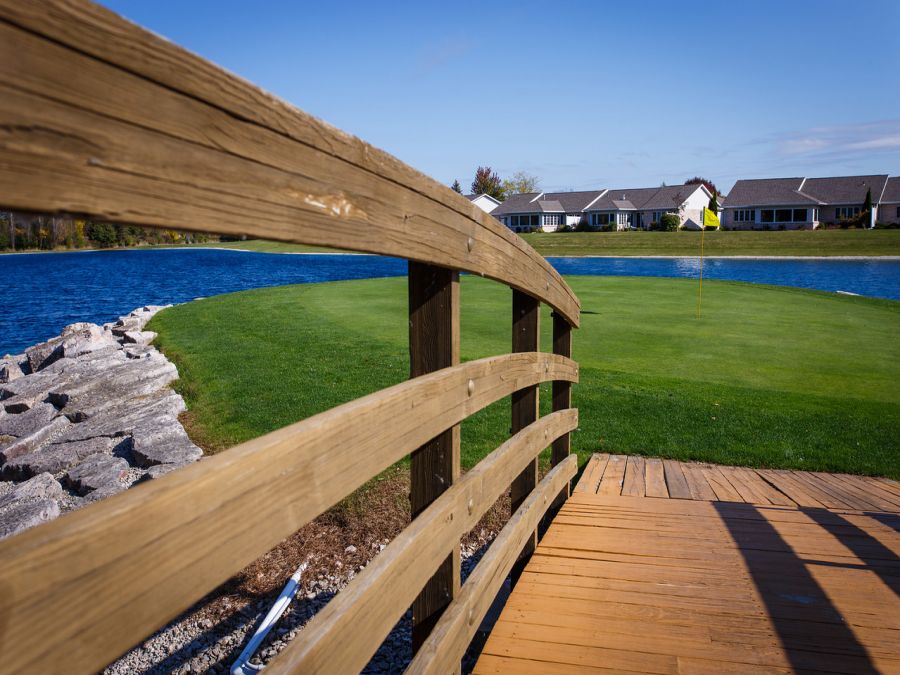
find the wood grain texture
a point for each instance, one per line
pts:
(104, 119)
(344, 635)
(675, 482)
(624, 584)
(655, 478)
(453, 633)
(526, 313)
(592, 474)
(434, 467)
(69, 588)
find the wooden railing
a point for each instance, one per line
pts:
(101, 118)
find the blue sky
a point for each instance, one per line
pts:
(581, 94)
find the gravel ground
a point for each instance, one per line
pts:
(197, 642)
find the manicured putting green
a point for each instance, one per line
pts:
(768, 376)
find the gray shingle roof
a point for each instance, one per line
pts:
(550, 206)
(768, 192)
(665, 197)
(521, 203)
(845, 189)
(891, 191)
(573, 202)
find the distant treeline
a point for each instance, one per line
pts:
(21, 232)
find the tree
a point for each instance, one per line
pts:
(669, 222)
(104, 234)
(520, 183)
(700, 180)
(487, 183)
(714, 203)
(456, 187)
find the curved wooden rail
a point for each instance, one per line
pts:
(190, 531)
(101, 118)
(344, 635)
(135, 129)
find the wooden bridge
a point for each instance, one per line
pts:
(102, 119)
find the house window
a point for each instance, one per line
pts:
(551, 219)
(783, 215)
(744, 215)
(816, 215)
(845, 212)
(799, 215)
(898, 211)
(767, 216)
(602, 218)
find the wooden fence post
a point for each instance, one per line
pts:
(525, 336)
(562, 398)
(433, 344)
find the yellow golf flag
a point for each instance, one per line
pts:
(710, 218)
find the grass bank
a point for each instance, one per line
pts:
(770, 376)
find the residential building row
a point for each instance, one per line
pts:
(618, 209)
(764, 203)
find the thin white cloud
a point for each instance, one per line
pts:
(843, 141)
(440, 53)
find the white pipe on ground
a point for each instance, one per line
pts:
(243, 666)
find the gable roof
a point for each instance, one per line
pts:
(473, 197)
(550, 206)
(768, 192)
(818, 191)
(520, 203)
(574, 202)
(639, 199)
(891, 191)
(845, 189)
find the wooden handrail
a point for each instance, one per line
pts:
(76, 578)
(103, 119)
(344, 635)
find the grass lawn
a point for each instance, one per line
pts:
(788, 243)
(724, 243)
(769, 376)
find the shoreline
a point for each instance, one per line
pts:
(887, 258)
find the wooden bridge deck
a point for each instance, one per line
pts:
(663, 567)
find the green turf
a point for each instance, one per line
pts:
(768, 376)
(724, 243)
(730, 243)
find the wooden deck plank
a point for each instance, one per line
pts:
(697, 483)
(772, 494)
(611, 483)
(782, 482)
(855, 499)
(745, 486)
(658, 585)
(655, 478)
(634, 485)
(678, 487)
(872, 488)
(725, 491)
(829, 498)
(593, 472)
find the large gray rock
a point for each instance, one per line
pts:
(126, 381)
(76, 339)
(26, 392)
(164, 441)
(27, 422)
(136, 337)
(24, 515)
(42, 486)
(58, 457)
(122, 419)
(11, 368)
(43, 354)
(96, 472)
(25, 444)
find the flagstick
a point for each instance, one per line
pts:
(700, 293)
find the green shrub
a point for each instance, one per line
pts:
(669, 222)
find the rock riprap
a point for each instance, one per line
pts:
(84, 416)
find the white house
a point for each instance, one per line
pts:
(485, 202)
(545, 211)
(641, 208)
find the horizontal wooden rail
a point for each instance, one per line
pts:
(84, 588)
(344, 635)
(447, 643)
(102, 118)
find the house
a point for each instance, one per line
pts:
(800, 203)
(485, 202)
(619, 209)
(641, 208)
(889, 208)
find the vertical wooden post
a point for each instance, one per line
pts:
(433, 344)
(525, 332)
(562, 397)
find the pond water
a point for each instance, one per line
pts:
(44, 292)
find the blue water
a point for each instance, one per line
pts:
(43, 293)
